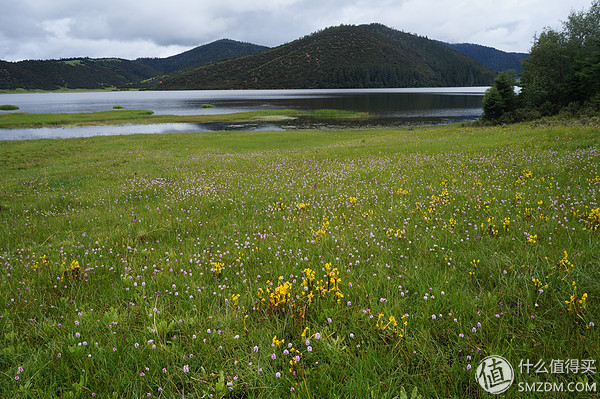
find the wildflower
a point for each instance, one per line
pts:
(186, 368)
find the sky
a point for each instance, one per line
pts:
(44, 29)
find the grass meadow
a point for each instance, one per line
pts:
(309, 264)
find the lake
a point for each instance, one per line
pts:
(387, 107)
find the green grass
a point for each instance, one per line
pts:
(450, 226)
(119, 116)
(8, 107)
(338, 113)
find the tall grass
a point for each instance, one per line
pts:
(302, 264)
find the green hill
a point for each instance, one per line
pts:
(216, 51)
(89, 73)
(494, 59)
(365, 56)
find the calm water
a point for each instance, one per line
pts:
(388, 107)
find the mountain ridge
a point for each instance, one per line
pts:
(376, 71)
(496, 60)
(99, 73)
(346, 56)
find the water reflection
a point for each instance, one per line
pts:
(386, 107)
(115, 130)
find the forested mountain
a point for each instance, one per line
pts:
(89, 73)
(216, 51)
(492, 58)
(79, 73)
(339, 57)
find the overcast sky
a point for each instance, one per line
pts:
(43, 29)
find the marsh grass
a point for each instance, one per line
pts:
(121, 116)
(134, 265)
(8, 107)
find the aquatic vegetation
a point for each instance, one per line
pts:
(8, 107)
(302, 264)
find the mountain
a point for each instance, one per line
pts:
(346, 56)
(493, 58)
(216, 51)
(76, 73)
(90, 73)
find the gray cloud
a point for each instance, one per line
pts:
(40, 29)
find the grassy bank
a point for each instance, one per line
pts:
(120, 116)
(297, 264)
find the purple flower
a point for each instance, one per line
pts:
(186, 368)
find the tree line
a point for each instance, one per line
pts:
(562, 74)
